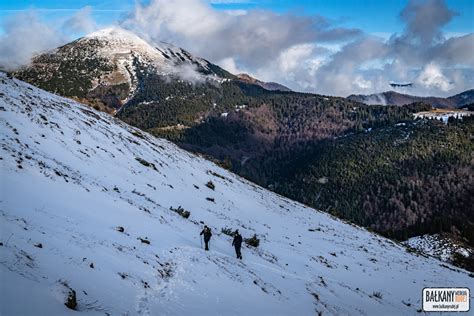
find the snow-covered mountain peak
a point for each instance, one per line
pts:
(129, 41)
(116, 42)
(115, 32)
(108, 66)
(91, 204)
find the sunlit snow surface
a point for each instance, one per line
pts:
(80, 179)
(438, 246)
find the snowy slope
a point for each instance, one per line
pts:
(439, 246)
(71, 176)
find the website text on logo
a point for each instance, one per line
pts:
(446, 299)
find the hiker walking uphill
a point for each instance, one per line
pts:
(207, 236)
(237, 243)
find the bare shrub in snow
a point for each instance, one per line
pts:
(181, 211)
(71, 301)
(228, 231)
(210, 185)
(146, 163)
(253, 241)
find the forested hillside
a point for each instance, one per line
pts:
(373, 165)
(236, 121)
(402, 180)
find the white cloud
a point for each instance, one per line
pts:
(229, 65)
(189, 73)
(291, 57)
(253, 39)
(180, 17)
(25, 35)
(362, 83)
(431, 77)
(229, 1)
(421, 54)
(236, 12)
(81, 22)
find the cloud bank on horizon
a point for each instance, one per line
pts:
(305, 52)
(25, 35)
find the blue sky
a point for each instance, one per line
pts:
(372, 16)
(369, 15)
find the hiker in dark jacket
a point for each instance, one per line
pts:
(237, 243)
(207, 236)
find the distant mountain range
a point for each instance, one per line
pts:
(395, 98)
(364, 163)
